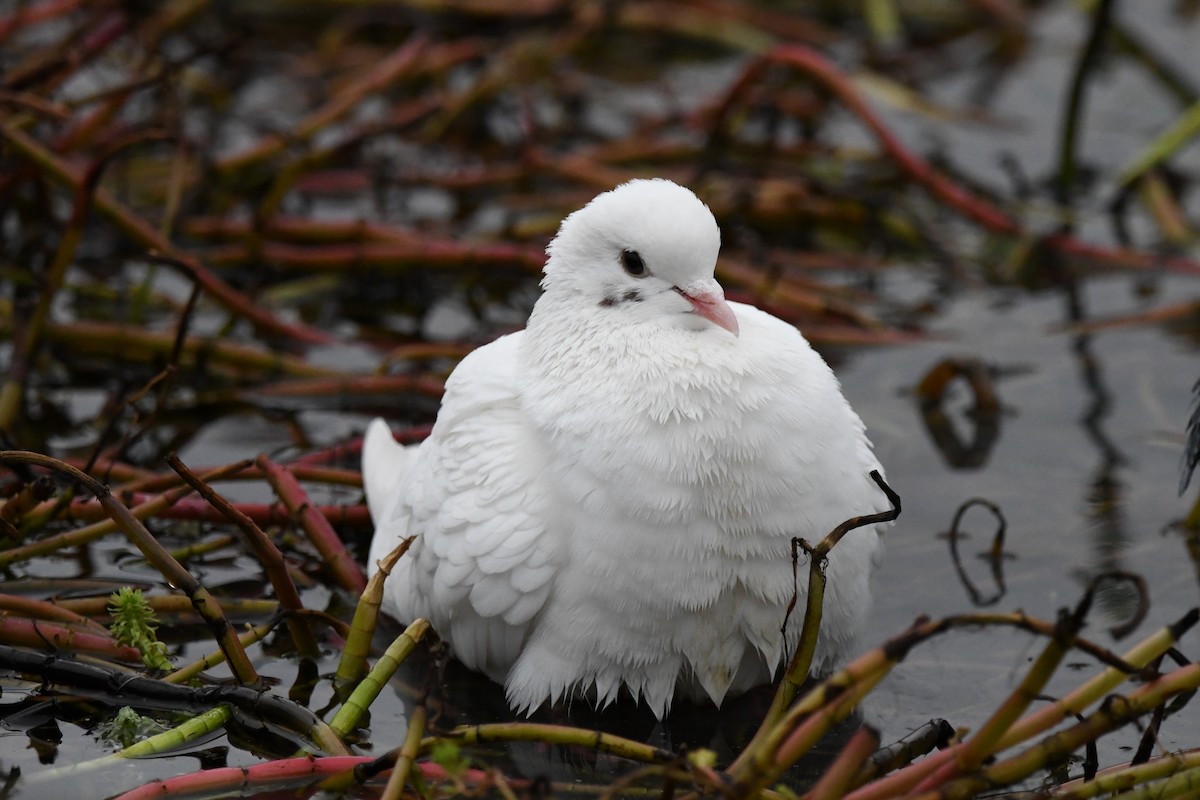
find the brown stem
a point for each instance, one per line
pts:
(839, 776)
(205, 604)
(400, 62)
(151, 507)
(267, 553)
(168, 505)
(146, 235)
(316, 526)
(172, 604)
(54, 636)
(44, 609)
(36, 491)
(422, 253)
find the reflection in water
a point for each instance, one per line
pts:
(984, 416)
(1105, 495)
(1191, 448)
(995, 554)
(1190, 528)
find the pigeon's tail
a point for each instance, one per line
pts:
(385, 462)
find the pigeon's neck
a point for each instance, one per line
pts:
(577, 340)
(578, 360)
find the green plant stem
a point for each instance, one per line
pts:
(189, 671)
(884, 21)
(1119, 779)
(1056, 747)
(1179, 133)
(198, 726)
(1097, 687)
(901, 782)
(28, 339)
(358, 703)
(353, 662)
(796, 735)
(553, 734)
(974, 751)
(407, 755)
(801, 663)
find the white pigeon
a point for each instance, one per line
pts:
(607, 499)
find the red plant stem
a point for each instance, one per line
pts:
(146, 235)
(172, 571)
(70, 538)
(298, 230)
(43, 609)
(86, 337)
(229, 779)
(159, 482)
(112, 470)
(810, 61)
(37, 491)
(839, 776)
(53, 636)
(410, 435)
(174, 605)
(40, 12)
(403, 60)
(349, 573)
(40, 105)
(423, 252)
(577, 168)
(434, 60)
(199, 511)
(845, 335)
(941, 187)
(763, 286)
(1121, 257)
(52, 67)
(266, 552)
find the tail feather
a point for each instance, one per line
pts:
(385, 463)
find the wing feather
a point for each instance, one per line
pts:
(484, 561)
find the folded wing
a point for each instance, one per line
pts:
(485, 557)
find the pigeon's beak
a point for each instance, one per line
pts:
(708, 300)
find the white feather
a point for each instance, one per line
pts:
(384, 464)
(607, 499)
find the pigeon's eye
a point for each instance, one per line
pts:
(633, 264)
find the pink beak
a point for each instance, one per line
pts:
(708, 301)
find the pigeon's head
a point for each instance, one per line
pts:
(644, 251)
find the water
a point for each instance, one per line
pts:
(1084, 463)
(1084, 468)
